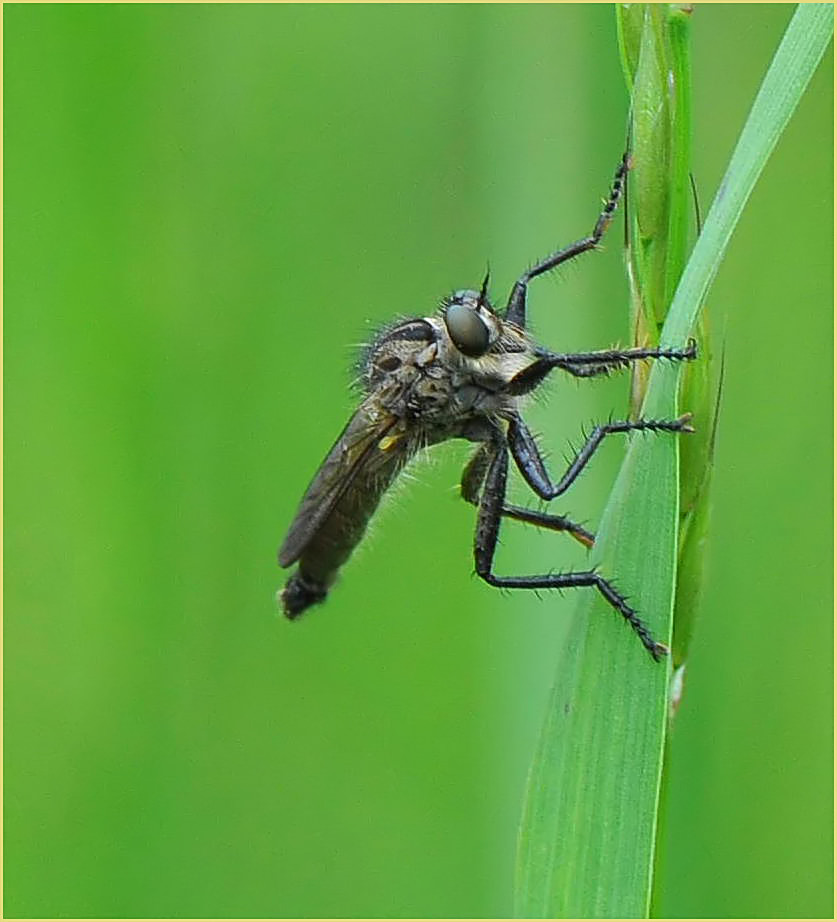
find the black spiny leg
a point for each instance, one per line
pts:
(472, 480)
(485, 545)
(516, 309)
(590, 364)
(528, 458)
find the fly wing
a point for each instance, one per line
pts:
(355, 447)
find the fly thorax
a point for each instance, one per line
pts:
(418, 370)
(404, 372)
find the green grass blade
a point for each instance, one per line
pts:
(588, 831)
(793, 65)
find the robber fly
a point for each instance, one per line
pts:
(460, 373)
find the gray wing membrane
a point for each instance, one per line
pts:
(355, 447)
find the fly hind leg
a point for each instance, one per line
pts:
(472, 480)
(485, 545)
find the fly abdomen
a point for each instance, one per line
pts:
(342, 529)
(300, 594)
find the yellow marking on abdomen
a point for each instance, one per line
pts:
(389, 441)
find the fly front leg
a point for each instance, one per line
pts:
(530, 462)
(591, 364)
(472, 480)
(516, 308)
(485, 546)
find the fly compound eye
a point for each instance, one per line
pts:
(467, 330)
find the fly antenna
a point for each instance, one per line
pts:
(483, 298)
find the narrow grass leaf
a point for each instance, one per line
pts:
(587, 837)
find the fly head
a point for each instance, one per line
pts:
(442, 371)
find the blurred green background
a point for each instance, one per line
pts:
(206, 208)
